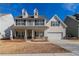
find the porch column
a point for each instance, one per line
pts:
(39, 34)
(14, 34)
(26, 23)
(44, 35)
(25, 35)
(33, 23)
(11, 35)
(32, 34)
(45, 22)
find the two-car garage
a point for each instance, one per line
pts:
(54, 35)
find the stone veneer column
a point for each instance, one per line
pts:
(32, 34)
(25, 35)
(11, 35)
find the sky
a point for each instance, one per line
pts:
(45, 9)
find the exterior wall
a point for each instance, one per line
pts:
(6, 21)
(72, 28)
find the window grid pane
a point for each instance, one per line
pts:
(20, 22)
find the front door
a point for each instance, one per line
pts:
(29, 34)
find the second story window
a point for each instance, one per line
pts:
(39, 22)
(30, 22)
(20, 22)
(53, 23)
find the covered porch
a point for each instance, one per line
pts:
(27, 34)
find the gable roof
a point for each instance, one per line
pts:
(72, 17)
(56, 17)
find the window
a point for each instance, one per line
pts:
(30, 23)
(39, 22)
(53, 23)
(39, 34)
(19, 34)
(20, 22)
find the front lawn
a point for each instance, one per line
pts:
(22, 47)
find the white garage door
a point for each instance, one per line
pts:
(54, 36)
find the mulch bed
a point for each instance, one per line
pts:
(21, 47)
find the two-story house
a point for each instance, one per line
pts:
(28, 27)
(73, 25)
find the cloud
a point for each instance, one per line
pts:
(71, 7)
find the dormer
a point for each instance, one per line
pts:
(24, 13)
(35, 13)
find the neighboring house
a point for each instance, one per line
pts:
(29, 27)
(73, 25)
(57, 28)
(6, 21)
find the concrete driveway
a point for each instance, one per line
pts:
(71, 45)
